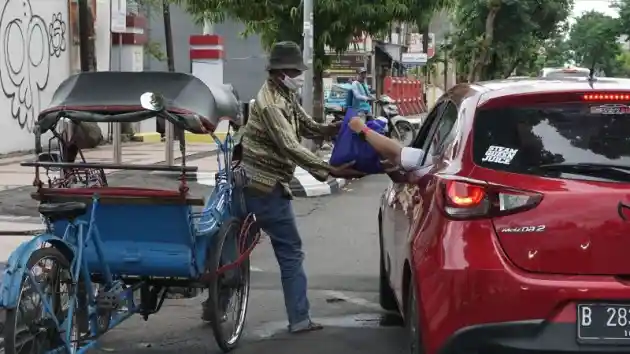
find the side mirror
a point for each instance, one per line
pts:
(152, 102)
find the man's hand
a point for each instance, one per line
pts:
(356, 124)
(389, 166)
(332, 129)
(345, 171)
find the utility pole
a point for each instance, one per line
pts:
(168, 34)
(84, 35)
(307, 91)
(307, 55)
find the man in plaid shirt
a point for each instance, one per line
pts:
(271, 149)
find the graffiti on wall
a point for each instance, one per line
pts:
(28, 44)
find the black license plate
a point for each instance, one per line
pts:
(603, 324)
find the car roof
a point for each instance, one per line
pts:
(507, 87)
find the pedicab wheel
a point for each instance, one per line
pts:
(230, 288)
(29, 328)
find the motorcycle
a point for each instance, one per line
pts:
(397, 126)
(334, 113)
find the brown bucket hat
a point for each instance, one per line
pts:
(286, 55)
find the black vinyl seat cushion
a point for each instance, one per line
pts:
(63, 211)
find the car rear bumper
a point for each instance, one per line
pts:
(522, 337)
(476, 289)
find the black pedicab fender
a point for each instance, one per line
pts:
(17, 266)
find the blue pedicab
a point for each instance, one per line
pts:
(111, 252)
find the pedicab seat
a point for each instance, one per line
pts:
(62, 211)
(145, 232)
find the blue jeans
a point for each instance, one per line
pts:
(274, 215)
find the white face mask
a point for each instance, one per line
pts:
(295, 83)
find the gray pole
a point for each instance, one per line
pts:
(307, 54)
(307, 91)
(169, 127)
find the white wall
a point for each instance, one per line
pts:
(103, 35)
(34, 59)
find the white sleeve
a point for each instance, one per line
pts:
(411, 158)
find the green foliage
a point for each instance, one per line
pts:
(593, 40)
(623, 21)
(497, 37)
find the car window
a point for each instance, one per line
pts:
(426, 128)
(435, 146)
(518, 139)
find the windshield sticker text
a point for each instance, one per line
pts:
(499, 154)
(539, 228)
(610, 109)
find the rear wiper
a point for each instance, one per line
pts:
(609, 171)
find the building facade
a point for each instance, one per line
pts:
(34, 60)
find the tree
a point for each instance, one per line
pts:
(623, 21)
(594, 42)
(494, 37)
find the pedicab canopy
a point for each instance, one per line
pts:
(115, 97)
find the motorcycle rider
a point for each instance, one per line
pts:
(361, 97)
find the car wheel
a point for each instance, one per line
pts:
(414, 335)
(387, 298)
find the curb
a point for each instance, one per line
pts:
(300, 190)
(155, 137)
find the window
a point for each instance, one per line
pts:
(518, 139)
(442, 131)
(427, 125)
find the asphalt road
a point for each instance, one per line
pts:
(340, 240)
(341, 245)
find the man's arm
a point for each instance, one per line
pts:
(283, 135)
(384, 146)
(357, 92)
(311, 128)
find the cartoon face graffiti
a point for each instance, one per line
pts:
(25, 53)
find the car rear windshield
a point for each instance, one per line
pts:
(517, 139)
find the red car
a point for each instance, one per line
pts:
(514, 236)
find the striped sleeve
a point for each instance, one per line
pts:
(282, 133)
(310, 127)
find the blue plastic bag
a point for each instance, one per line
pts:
(350, 147)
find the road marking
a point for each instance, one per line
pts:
(353, 300)
(255, 269)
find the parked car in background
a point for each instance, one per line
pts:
(514, 235)
(335, 98)
(558, 73)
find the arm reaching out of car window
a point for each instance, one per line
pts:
(408, 159)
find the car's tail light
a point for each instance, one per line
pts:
(467, 199)
(610, 96)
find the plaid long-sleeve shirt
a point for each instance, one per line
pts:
(271, 140)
